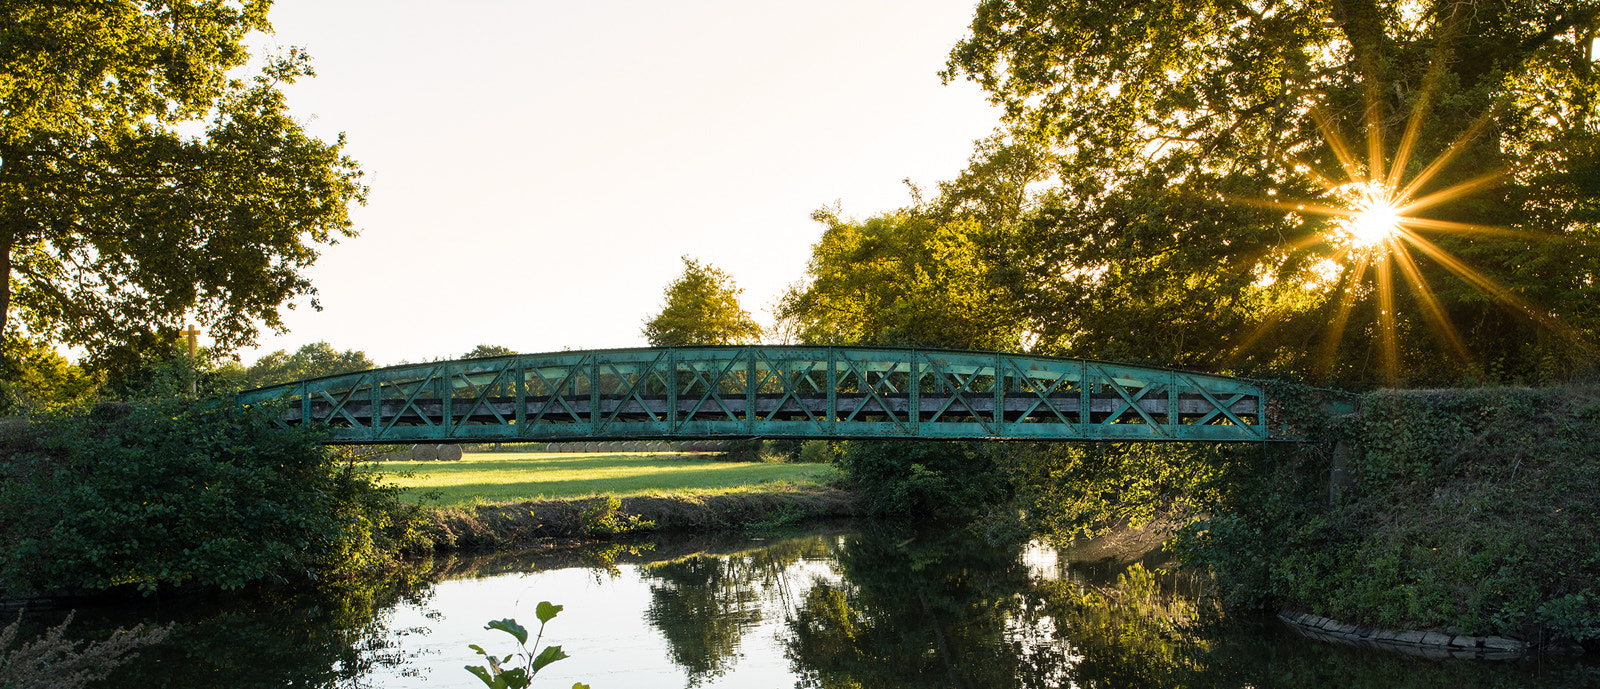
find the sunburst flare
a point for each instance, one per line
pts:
(1377, 218)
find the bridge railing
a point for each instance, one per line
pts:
(774, 392)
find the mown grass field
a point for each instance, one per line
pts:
(491, 477)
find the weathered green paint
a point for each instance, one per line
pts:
(775, 392)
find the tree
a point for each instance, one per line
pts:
(116, 223)
(310, 361)
(900, 279)
(702, 308)
(1212, 159)
(35, 376)
(487, 350)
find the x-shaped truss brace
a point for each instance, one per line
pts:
(791, 392)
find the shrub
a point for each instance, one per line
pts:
(923, 479)
(177, 492)
(816, 452)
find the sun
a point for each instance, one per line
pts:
(1374, 219)
(1375, 240)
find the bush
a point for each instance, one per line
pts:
(176, 492)
(816, 452)
(923, 479)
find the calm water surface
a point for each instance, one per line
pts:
(831, 608)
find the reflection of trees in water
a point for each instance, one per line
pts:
(933, 610)
(329, 636)
(704, 605)
(947, 611)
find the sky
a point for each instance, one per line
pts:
(537, 168)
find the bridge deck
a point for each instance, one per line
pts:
(773, 391)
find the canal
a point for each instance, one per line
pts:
(838, 606)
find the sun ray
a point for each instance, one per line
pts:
(1306, 169)
(1445, 157)
(1295, 206)
(1371, 220)
(1391, 346)
(1468, 228)
(1337, 144)
(1486, 285)
(1451, 192)
(1374, 124)
(1266, 326)
(1434, 313)
(1347, 300)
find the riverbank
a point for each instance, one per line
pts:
(528, 523)
(514, 476)
(1465, 513)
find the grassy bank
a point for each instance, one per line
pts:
(515, 499)
(505, 477)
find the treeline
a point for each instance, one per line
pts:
(36, 377)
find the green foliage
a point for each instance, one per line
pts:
(33, 375)
(744, 450)
(915, 480)
(702, 308)
(899, 279)
(310, 361)
(1082, 490)
(1473, 511)
(816, 452)
(52, 661)
(185, 491)
(603, 517)
(1130, 191)
(488, 350)
(497, 677)
(143, 183)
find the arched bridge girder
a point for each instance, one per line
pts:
(773, 392)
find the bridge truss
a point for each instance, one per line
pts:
(772, 392)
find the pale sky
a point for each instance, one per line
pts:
(537, 168)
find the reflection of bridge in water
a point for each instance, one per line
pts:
(774, 392)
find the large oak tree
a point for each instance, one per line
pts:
(1187, 147)
(142, 182)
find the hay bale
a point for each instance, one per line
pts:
(448, 453)
(424, 452)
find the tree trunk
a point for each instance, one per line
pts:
(5, 291)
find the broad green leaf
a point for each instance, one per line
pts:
(478, 648)
(479, 672)
(546, 611)
(516, 678)
(579, 685)
(510, 626)
(549, 655)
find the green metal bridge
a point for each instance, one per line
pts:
(773, 392)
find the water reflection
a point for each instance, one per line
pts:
(878, 608)
(704, 605)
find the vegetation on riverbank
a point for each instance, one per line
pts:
(200, 493)
(533, 522)
(1467, 511)
(185, 492)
